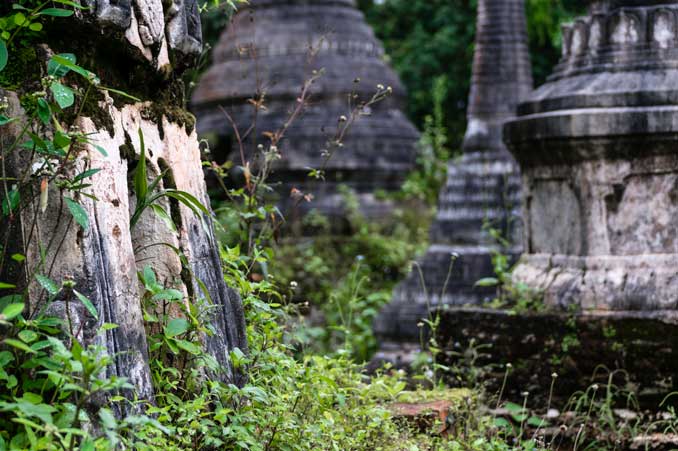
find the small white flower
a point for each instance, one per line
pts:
(380, 87)
(293, 284)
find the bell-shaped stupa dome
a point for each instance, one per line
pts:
(273, 47)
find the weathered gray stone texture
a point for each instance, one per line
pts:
(103, 260)
(596, 145)
(154, 28)
(483, 187)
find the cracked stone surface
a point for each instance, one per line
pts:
(596, 146)
(103, 259)
(149, 27)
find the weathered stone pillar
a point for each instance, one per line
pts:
(482, 189)
(140, 49)
(272, 48)
(596, 145)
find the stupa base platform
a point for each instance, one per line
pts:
(635, 350)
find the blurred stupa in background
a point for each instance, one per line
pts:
(482, 189)
(268, 48)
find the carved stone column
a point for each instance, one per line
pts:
(103, 258)
(596, 145)
(482, 188)
(267, 49)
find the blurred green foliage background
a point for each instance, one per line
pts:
(428, 38)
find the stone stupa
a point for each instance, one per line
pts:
(597, 147)
(482, 189)
(267, 49)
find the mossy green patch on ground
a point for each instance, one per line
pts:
(454, 395)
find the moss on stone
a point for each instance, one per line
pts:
(174, 114)
(22, 70)
(92, 109)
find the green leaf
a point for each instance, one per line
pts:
(48, 284)
(75, 68)
(57, 69)
(63, 95)
(120, 93)
(28, 336)
(35, 26)
(19, 258)
(6, 286)
(189, 347)
(40, 345)
(535, 421)
(10, 204)
(101, 150)
(86, 174)
(176, 327)
(188, 200)
(513, 407)
(87, 303)
(10, 299)
(12, 310)
(168, 295)
(107, 418)
(161, 213)
(238, 358)
(19, 345)
(149, 277)
(172, 345)
(5, 358)
(71, 3)
(487, 282)
(56, 12)
(42, 411)
(4, 120)
(4, 56)
(79, 213)
(108, 326)
(140, 175)
(62, 140)
(502, 423)
(36, 141)
(19, 18)
(519, 417)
